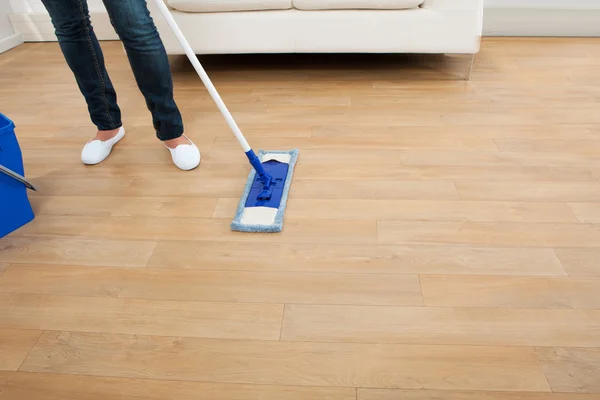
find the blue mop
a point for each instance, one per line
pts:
(263, 203)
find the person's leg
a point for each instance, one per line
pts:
(84, 57)
(149, 62)
(82, 52)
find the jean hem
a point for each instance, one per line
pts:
(163, 137)
(109, 127)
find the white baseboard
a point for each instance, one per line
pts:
(555, 22)
(10, 42)
(36, 27)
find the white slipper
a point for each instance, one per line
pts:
(96, 151)
(185, 156)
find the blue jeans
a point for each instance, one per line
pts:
(145, 51)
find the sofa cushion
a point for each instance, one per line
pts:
(228, 5)
(356, 4)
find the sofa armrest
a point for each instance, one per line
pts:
(470, 5)
(467, 17)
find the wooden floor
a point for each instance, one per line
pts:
(442, 238)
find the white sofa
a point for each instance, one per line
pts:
(325, 26)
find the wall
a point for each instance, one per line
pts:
(6, 28)
(8, 38)
(542, 18)
(544, 4)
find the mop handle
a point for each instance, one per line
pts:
(200, 70)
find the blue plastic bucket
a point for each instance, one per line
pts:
(15, 208)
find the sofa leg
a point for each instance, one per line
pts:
(469, 67)
(458, 61)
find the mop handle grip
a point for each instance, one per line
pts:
(202, 73)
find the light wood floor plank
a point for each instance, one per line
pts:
(143, 317)
(75, 251)
(572, 370)
(490, 234)
(282, 363)
(65, 186)
(323, 157)
(215, 286)
(397, 394)
(72, 168)
(365, 144)
(393, 189)
(582, 147)
(442, 325)
(587, 213)
(525, 95)
(124, 206)
(502, 117)
(440, 137)
(239, 256)
(443, 102)
(557, 115)
(529, 191)
(3, 267)
(188, 187)
(15, 344)
(511, 292)
(496, 158)
(206, 229)
(580, 261)
(261, 130)
(415, 210)
(437, 172)
(40, 386)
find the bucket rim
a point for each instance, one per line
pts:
(6, 124)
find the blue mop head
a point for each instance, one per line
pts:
(255, 215)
